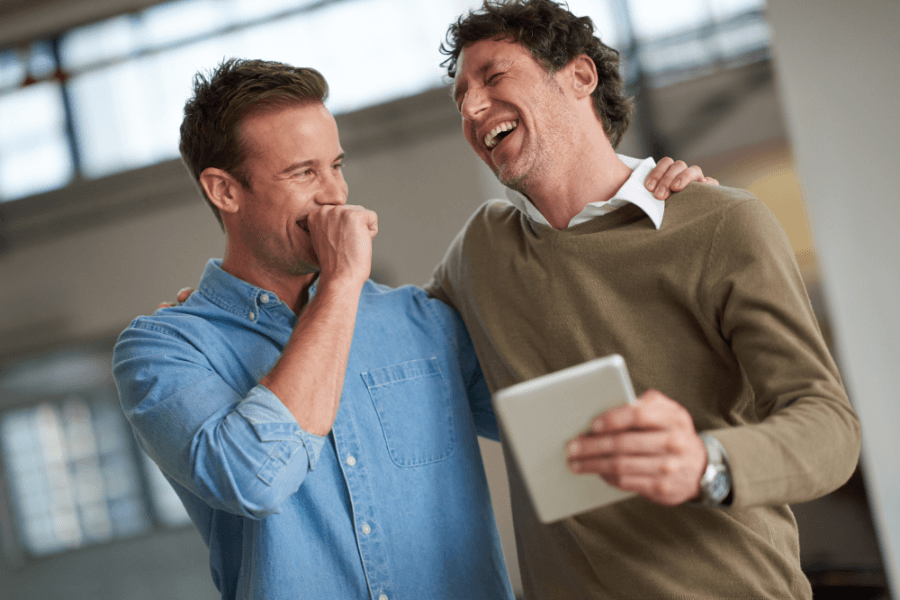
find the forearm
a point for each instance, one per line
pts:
(807, 443)
(309, 376)
(233, 444)
(800, 453)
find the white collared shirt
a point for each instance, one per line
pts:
(633, 192)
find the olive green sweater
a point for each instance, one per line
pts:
(710, 310)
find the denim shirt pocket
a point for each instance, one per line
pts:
(413, 403)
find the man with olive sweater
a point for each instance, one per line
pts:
(701, 295)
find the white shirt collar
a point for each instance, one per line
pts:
(633, 192)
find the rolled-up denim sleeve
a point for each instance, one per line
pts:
(241, 453)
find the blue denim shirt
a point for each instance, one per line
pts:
(392, 504)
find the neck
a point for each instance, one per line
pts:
(594, 177)
(293, 290)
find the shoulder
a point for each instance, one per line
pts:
(702, 198)
(191, 326)
(407, 309)
(406, 300)
(715, 207)
(494, 212)
(493, 221)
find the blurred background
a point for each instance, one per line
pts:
(99, 222)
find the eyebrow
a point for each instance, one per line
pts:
(306, 163)
(491, 63)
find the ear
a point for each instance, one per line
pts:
(222, 189)
(583, 72)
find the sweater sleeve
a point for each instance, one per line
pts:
(806, 443)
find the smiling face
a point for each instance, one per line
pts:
(516, 117)
(294, 165)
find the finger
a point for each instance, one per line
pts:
(184, 294)
(653, 410)
(165, 305)
(657, 173)
(614, 470)
(710, 181)
(663, 187)
(629, 443)
(372, 223)
(689, 175)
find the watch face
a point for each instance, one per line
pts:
(719, 487)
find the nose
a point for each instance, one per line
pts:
(333, 190)
(474, 102)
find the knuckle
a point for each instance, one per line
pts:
(680, 164)
(676, 444)
(615, 467)
(662, 489)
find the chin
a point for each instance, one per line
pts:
(518, 182)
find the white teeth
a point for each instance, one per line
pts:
(490, 140)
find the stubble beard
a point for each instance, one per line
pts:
(522, 181)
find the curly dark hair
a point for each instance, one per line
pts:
(554, 36)
(237, 88)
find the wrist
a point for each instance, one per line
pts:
(715, 483)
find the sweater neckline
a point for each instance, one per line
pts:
(621, 216)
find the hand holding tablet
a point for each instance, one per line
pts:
(539, 417)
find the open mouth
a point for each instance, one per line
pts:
(499, 133)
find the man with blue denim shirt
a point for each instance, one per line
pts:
(304, 481)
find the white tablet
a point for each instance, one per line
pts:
(539, 417)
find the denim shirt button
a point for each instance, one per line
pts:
(366, 529)
(351, 460)
(383, 597)
(264, 298)
(252, 315)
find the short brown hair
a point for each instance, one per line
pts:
(210, 131)
(554, 36)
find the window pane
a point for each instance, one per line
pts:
(743, 38)
(181, 20)
(656, 18)
(683, 55)
(98, 42)
(34, 151)
(168, 506)
(41, 62)
(607, 25)
(246, 10)
(71, 473)
(723, 9)
(12, 69)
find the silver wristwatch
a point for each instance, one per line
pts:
(715, 485)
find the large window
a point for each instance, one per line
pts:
(107, 97)
(73, 474)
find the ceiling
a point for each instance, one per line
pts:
(22, 21)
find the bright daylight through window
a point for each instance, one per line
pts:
(107, 97)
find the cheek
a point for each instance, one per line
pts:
(469, 133)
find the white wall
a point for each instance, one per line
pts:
(838, 66)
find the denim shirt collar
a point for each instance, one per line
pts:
(238, 296)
